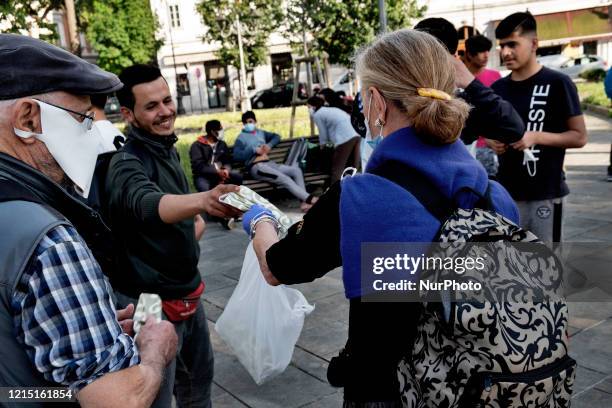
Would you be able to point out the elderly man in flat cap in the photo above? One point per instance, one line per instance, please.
(58, 325)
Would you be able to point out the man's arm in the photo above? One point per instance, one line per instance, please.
(200, 226)
(272, 139)
(138, 385)
(491, 116)
(174, 208)
(575, 136)
(79, 342)
(132, 192)
(241, 151)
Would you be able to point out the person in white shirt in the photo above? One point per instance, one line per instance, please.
(335, 128)
(111, 137)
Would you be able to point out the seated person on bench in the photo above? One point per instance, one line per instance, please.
(211, 159)
(252, 148)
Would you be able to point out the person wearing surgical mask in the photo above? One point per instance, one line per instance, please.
(59, 326)
(413, 125)
(252, 147)
(211, 161)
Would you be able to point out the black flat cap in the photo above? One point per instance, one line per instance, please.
(29, 67)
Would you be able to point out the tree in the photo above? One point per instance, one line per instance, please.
(340, 27)
(122, 32)
(258, 19)
(17, 16)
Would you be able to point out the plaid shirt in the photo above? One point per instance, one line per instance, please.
(64, 314)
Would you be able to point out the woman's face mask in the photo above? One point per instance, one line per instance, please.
(370, 142)
(74, 145)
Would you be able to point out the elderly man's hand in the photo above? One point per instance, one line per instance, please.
(124, 317)
(214, 207)
(157, 342)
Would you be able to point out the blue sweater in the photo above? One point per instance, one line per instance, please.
(248, 142)
(374, 209)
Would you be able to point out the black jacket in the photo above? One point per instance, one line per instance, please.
(491, 116)
(203, 158)
(35, 186)
(153, 257)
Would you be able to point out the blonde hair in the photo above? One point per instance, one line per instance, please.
(399, 63)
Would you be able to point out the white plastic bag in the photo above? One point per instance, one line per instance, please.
(262, 323)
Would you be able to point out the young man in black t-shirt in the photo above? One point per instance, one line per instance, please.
(547, 101)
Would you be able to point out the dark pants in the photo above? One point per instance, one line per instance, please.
(345, 155)
(189, 376)
(206, 184)
(380, 334)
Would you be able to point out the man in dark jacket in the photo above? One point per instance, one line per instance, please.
(491, 116)
(211, 161)
(157, 225)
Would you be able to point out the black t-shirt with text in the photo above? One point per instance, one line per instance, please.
(545, 102)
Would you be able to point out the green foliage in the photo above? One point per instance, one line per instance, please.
(594, 75)
(593, 93)
(340, 27)
(121, 31)
(258, 19)
(24, 15)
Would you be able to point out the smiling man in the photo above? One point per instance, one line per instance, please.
(156, 225)
(547, 101)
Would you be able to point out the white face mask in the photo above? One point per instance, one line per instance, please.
(221, 134)
(108, 132)
(367, 148)
(72, 145)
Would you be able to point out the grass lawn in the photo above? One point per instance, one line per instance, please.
(593, 93)
(188, 128)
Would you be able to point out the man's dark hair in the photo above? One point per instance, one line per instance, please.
(522, 23)
(212, 125)
(132, 76)
(99, 100)
(315, 101)
(476, 44)
(442, 29)
(248, 115)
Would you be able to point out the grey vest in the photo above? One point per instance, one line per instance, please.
(23, 224)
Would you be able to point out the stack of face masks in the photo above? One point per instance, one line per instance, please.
(246, 198)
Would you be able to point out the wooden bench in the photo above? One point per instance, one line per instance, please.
(278, 154)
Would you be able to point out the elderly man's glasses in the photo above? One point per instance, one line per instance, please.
(88, 118)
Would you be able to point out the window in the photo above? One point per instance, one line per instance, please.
(182, 81)
(175, 18)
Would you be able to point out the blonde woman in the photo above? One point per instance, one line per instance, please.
(408, 81)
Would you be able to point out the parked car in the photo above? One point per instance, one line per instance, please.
(573, 67)
(342, 84)
(278, 95)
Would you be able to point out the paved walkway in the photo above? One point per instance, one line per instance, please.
(304, 384)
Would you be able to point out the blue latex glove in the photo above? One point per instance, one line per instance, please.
(255, 212)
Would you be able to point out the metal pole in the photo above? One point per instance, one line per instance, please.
(245, 103)
(179, 98)
(382, 14)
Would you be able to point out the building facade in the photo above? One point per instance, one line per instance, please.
(571, 28)
(202, 81)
